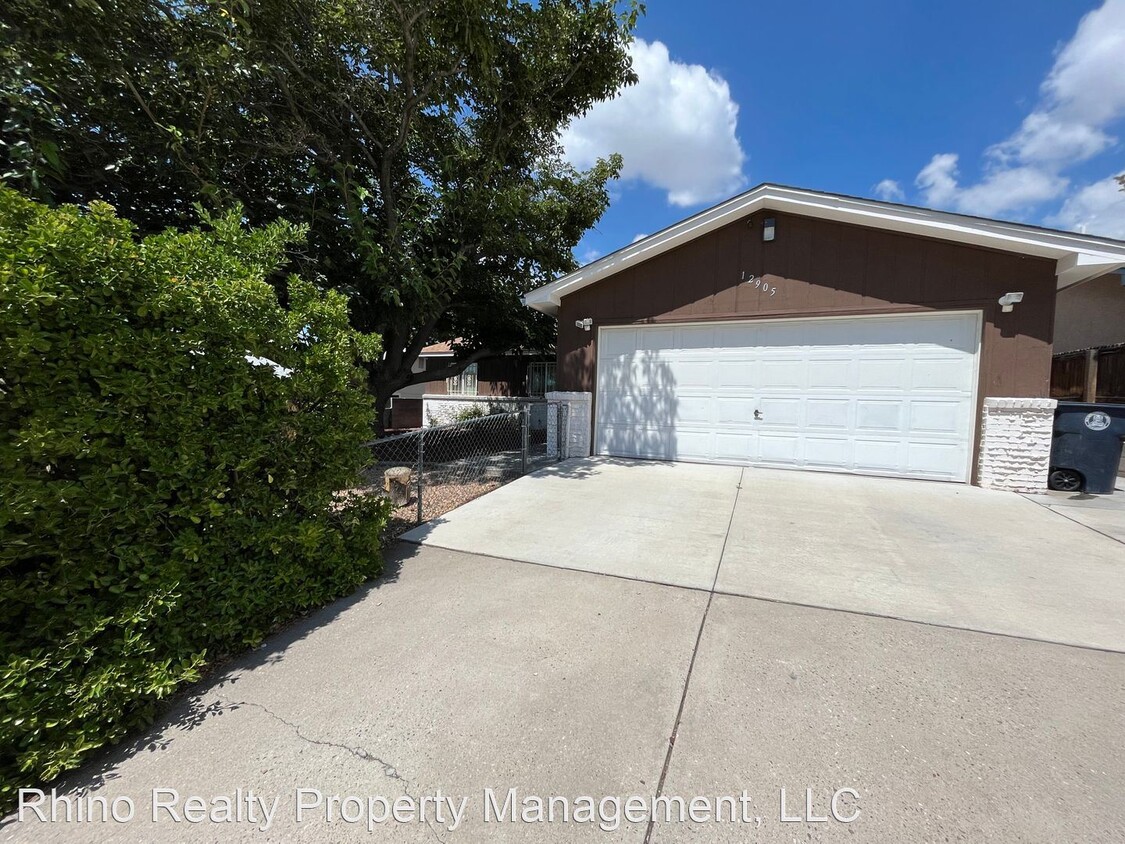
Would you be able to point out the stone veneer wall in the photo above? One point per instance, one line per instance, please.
(443, 409)
(1015, 444)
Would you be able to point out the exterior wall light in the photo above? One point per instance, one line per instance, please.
(768, 229)
(1009, 301)
(584, 324)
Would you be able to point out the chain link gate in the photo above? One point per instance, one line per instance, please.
(429, 472)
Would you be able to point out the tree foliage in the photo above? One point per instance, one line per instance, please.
(174, 446)
(417, 141)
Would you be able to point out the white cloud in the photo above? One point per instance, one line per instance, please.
(1001, 190)
(889, 190)
(675, 129)
(639, 237)
(1098, 208)
(938, 179)
(1046, 140)
(1080, 100)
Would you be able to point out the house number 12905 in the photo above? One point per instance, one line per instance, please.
(760, 283)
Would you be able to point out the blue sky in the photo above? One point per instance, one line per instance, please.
(1004, 108)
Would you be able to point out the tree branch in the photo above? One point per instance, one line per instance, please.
(455, 368)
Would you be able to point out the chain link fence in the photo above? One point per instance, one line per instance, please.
(428, 472)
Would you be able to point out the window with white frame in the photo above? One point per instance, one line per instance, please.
(540, 378)
(464, 384)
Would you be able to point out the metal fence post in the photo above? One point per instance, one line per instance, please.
(564, 430)
(525, 422)
(421, 457)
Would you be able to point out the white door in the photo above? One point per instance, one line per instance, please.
(884, 395)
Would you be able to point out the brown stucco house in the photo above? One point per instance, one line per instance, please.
(516, 373)
(796, 328)
(1091, 314)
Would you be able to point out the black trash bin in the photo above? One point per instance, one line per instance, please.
(1086, 450)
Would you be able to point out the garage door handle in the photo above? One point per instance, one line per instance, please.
(757, 414)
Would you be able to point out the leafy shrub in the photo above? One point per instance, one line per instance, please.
(169, 491)
(471, 410)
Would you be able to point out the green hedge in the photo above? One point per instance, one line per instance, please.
(163, 497)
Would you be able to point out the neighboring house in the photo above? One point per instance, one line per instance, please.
(796, 328)
(1091, 314)
(503, 375)
(1089, 363)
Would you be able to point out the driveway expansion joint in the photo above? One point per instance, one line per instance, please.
(1071, 518)
(691, 662)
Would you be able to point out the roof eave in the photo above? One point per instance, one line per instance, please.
(1079, 257)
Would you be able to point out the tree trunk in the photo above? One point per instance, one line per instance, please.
(382, 387)
(381, 402)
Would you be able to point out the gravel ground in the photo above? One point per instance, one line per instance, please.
(437, 500)
(446, 486)
(443, 490)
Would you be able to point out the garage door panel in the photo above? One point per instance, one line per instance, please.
(834, 452)
(636, 441)
(945, 374)
(622, 341)
(695, 410)
(735, 410)
(738, 336)
(735, 446)
(733, 374)
(638, 408)
(655, 339)
(687, 374)
(879, 455)
(692, 444)
(885, 395)
(935, 459)
(782, 374)
(697, 337)
(779, 448)
(829, 374)
(882, 374)
(777, 411)
(937, 417)
(876, 415)
(831, 414)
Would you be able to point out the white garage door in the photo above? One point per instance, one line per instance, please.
(875, 395)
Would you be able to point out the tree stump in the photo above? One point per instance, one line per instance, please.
(396, 481)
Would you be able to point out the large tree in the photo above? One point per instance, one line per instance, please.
(418, 140)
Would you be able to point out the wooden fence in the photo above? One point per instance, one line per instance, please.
(1090, 375)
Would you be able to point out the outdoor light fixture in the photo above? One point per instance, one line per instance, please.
(767, 229)
(584, 324)
(1009, 301)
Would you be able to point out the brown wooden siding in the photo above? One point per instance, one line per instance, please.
(825, 268)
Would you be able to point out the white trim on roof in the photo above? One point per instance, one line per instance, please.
(1078, 257)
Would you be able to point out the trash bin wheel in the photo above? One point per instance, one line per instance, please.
(1065, 480)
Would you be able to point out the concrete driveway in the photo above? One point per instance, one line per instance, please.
(945, 554)
(459, 674)
(459, 677)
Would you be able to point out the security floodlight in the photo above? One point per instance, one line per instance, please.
(584, 324)
(1009, 300)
